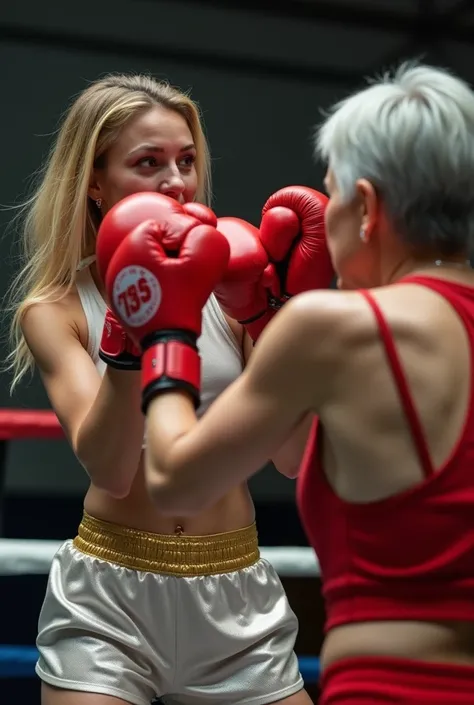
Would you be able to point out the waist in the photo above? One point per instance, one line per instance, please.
(430, 602)
(443, 642)
(387, 680)
(173, 554)
(234, 511)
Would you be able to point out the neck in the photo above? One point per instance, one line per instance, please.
(413, 265)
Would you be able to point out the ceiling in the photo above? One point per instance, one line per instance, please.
(450, 19)
(410, 7)
(339, 41)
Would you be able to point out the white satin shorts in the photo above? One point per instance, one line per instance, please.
(192, 620)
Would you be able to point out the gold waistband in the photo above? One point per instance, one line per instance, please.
(171, 554)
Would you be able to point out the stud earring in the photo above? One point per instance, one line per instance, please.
(98, 203)
(362, 234)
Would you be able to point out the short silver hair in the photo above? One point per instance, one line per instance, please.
(411, 134)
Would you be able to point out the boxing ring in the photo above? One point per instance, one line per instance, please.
(24, 557)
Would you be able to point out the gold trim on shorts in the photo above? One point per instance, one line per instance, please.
(171, 554)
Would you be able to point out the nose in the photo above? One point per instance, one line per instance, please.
(172, 184)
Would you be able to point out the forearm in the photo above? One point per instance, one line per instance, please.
(165, 478)
(188, 469)
(109, 441)
(192, 464)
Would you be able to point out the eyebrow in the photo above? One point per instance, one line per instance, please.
(154, 148)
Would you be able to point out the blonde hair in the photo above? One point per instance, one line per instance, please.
(60, 221)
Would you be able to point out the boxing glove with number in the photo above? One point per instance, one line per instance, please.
(293, 234)
(159, 298)
(116, 349)
(243, 292)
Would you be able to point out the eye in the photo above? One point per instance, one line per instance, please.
(188, 160)
(147, 162)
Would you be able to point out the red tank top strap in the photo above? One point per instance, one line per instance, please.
(402, 385)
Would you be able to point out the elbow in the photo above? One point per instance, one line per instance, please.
(113, 480)
(292, 473)
(107, 474)
(110, 469)
(289, 470)
(114, 490)
(113, 486)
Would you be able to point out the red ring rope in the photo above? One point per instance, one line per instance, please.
(29, 423)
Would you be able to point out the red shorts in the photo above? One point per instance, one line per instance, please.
(394, 681)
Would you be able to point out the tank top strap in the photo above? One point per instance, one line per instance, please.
(401, 384)
(94, 308)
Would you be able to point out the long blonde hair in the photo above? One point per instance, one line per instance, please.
(60, 221)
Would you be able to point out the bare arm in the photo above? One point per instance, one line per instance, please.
(287, 459)
(101, 417)
(192, 464)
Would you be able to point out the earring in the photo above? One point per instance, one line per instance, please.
(362, 235)
(98, 203)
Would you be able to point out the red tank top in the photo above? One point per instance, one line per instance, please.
(410, 556)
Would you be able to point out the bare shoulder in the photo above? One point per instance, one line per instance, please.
(416, 313)
(48, 325)
(324, 322)
(312, 334)
(309, 339)
(52, 333)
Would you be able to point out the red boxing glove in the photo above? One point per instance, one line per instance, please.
(202, 213)
(132, 210)
(243, 290)
(116, 348)
(293, 234)
(159, 299)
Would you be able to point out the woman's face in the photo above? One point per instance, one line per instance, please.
(154, 152)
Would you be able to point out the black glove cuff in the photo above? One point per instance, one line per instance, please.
(124, 361)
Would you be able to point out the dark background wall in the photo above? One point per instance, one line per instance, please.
(261, 71)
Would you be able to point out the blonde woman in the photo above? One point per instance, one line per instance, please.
(139, 605)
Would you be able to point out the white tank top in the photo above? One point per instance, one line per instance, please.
(221, 355)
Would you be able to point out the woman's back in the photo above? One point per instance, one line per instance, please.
(369, 451)
(387, 490)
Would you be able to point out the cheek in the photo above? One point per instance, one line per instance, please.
(122, 182)
(341, 230)
(190, 186)
(332, 221)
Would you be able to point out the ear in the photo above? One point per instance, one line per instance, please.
(94, 191)
(369, 205)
